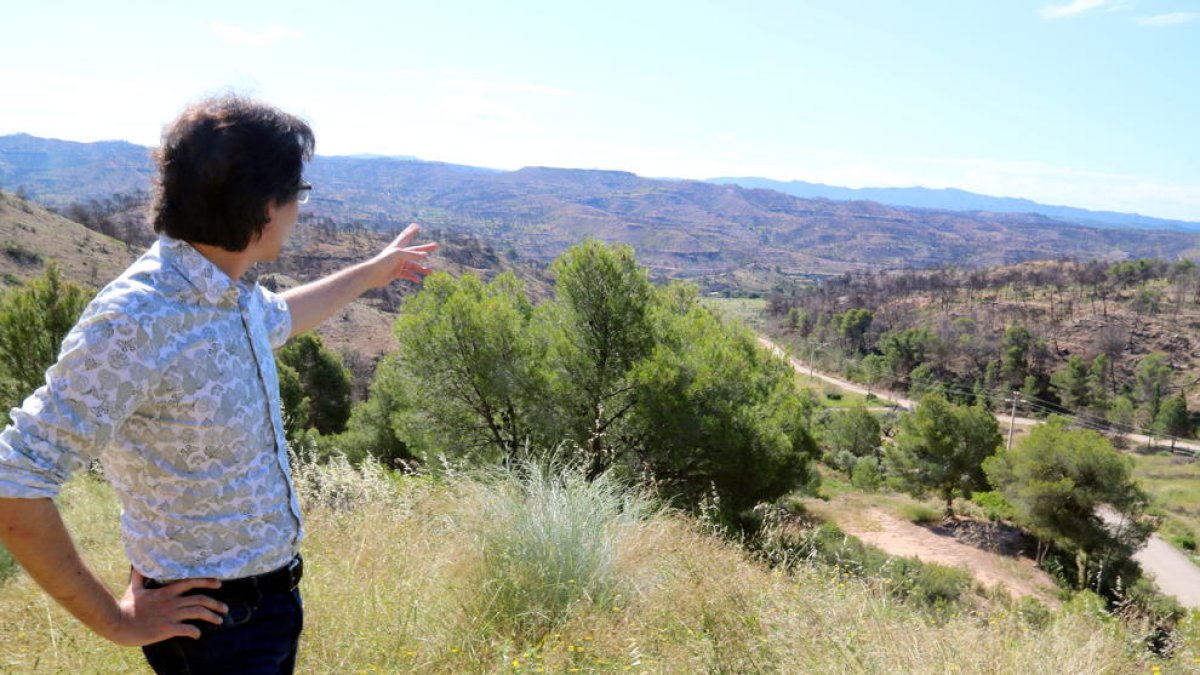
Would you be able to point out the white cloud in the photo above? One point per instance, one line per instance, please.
(243, 37)
(1172, 19)
(1051, 12)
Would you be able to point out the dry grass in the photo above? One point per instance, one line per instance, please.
(393, 585)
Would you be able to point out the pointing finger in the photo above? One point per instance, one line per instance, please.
(405, 236)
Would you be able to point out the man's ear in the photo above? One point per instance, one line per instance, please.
(272, 207)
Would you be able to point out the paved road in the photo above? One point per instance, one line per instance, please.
(1172, 571)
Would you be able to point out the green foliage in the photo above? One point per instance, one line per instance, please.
(1033, 612)
(295, 400)
(940, 448)
(8, 566)
(323, 381)
(920, 513)
(994, 505)
(1099, 375)
(1073, 384)
(1057, 479)
(905, 350)
(935, 588)
(467, 377)
(1015, 347)
(1152, 382)
(715, 411)
(552, 544)
(34, 319)
(850, 434)
(866, 475)
(604, 328)
(852, 326)
(924, 381)
(1186, 541)
(1122, 414)
(641, 380)
(376, 427)
(1173, 418)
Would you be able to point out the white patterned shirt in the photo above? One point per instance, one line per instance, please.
(169, 380)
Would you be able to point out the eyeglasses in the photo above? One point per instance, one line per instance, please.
(303, 191)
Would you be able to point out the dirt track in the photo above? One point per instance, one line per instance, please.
(901, 538)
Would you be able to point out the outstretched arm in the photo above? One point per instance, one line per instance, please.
(33, 532)
(314, 302)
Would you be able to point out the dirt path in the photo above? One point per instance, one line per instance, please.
(1019, 576)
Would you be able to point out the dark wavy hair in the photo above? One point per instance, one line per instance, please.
(221, 162)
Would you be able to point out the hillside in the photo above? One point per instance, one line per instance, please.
(1124, 312)
(950, 199)
(30, 236)
(679, 228)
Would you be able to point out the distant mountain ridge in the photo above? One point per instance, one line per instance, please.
(679, 228)
(953, 199)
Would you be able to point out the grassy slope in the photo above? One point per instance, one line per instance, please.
(394, 585)
(30, 236)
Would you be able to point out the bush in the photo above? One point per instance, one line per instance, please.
(552, 544)
(935, 588)
(866, 475)
(1186, 541)
(1033, 612)
(920, 513)
(994, 505)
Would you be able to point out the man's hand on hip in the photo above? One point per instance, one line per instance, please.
(152, 615)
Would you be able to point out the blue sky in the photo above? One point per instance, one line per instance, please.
(1089, 103)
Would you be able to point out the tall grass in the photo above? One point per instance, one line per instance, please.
(8, 566)
(552, 543)
(469, 574)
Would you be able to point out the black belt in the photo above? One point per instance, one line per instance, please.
(250, 589)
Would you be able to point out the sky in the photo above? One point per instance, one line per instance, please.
(1086, 103)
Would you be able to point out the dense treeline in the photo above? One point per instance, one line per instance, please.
(1094, 339)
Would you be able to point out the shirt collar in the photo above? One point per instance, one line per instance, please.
(200, 272)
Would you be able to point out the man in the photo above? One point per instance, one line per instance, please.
(169, 380)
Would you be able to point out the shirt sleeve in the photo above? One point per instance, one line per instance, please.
(277, 317)
(104, 371)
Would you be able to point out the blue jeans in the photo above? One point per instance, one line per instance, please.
(253, 640)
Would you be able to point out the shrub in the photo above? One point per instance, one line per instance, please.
(866, 475)
(920, 513)
(994, 505)
(552, 544)
(935, 588)
(1186, 541)
(1033, 612)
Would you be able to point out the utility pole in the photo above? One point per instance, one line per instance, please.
(1012, 419)
(812, 351)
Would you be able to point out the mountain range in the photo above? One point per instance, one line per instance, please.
(952, 199)
(681, 228)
